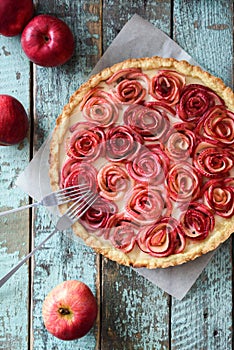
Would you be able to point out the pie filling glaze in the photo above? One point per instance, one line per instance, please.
(154, 138)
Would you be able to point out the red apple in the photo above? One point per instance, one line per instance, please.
(47, 41)
(14, 15)
(69, 310)
(13, 121)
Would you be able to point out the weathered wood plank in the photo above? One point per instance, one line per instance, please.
(204, 30)
(62, 258)
(135, 313)
(117, 13)
(14, 229)
(203, 320)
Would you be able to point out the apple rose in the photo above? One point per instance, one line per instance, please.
(86, 142)
(217, 126)
(195, 101)
(122, 232)
(74, 173)
(149, 165)
(198, 221)
(163, 238)
(183, 182)
(145, 204)
(122, 143)
(149, 120)
(213, 162)
(113, 181)
(166, 86)
(97, 216)
(180, 142)
(98, 107)
(131, 86)
(219, 196)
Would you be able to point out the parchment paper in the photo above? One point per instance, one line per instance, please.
(138, 38)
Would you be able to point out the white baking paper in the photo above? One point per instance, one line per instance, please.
(138, 38)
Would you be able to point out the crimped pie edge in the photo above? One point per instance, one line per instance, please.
(220, 233)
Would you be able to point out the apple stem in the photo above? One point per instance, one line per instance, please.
(64, 311)
(46, 38)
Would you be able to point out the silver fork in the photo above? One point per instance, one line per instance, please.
(54, 198)
(74, 212)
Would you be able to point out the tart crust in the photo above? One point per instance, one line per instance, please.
(223, 228)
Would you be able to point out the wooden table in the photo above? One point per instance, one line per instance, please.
(133, 313)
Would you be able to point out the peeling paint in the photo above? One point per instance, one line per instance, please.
(137, 312)
(14, 229)
(93, 8)
(13, 304)
(14, 233)
(94, 29)
(218, 26)
(5, 52)
(21, 145)
(60, 259)
(18, 75)
(196, 24)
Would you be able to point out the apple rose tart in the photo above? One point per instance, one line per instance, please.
(154, 139)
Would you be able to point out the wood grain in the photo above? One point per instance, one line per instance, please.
(135, 313)
(204, 29)
(62, 258)
(14, 229)
(203, 320)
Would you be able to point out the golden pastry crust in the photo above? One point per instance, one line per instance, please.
(223, 228)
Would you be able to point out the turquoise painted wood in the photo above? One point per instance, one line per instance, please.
(125, 327)
(205, 31)
(14, 230)
(62, 259)
(133, 313)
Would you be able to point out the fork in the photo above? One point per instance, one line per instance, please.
(54, 198)
(74, 212)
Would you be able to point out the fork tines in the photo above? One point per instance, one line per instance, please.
(81, 204)
(66, 194)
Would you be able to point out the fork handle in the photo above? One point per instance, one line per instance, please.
(19, 209)
(12, 271)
